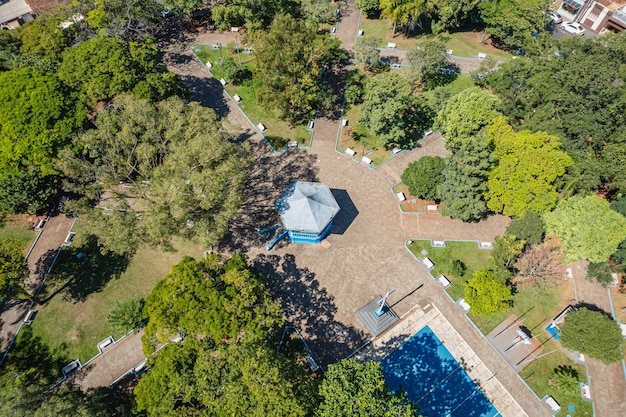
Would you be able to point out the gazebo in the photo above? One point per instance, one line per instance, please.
(307, 210)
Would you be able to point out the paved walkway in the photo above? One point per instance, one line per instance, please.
(39, 261)
(606, 382)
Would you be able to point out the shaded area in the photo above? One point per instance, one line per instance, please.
(347, 212)
(81, 271)
(267, 180)
(309, 307)
(432, 378)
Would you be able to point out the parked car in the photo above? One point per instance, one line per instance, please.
(573, 28)
(554, 16)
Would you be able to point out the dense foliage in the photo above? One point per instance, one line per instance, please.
(13, 268)
(486, 295)
(592, 333)
(424, 176)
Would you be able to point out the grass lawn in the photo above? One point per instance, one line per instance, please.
(80, 293)
(468, 252)
(465, 44)
(460, 83)
(17, 227)
(366, 146)
(537, 307)
(278, 132)
(537, 375)
(412, 204)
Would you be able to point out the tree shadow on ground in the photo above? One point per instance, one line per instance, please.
(347, 212)
(309, 307)
(594, 307)
(207, 91)
(30, 351)
(81, 271)
(267, 181)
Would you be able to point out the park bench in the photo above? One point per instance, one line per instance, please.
(485, 245)
(464, 305)
(449, 52)
(234, 29)
(439, 244)
(216, 46)
(70, 367)
(292, 144)
(311, 125)
(261, 127)
(28, 319)
(333, 29)
(445, 282)
(223, 82)
(105, 344)
(312, 364)
(585, 392)
(209, 65)
(361, 32)
(40, 224)
(428, 263)
(344, 122)
(391, 45)
(431, 207)
(366, 161)
(396, 66)
(554, 406)
(401, 196)
(237, 98)
(396, 151)
(350, 152)
(482, 56)
(428, 132)
(68, 239)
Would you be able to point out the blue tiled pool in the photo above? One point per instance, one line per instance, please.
(434, 380)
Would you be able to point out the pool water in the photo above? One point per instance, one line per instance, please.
(433, 379)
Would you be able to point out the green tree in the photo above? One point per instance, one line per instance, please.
(185, 6)
(465, 179)
(290, 76)
(424, 176)
(592, 333)
(528, 165)
(127, 315)
(9, 50)
(465, 115)
(13, 268)
(121, 19)
(43, 37)
(351, 388)
(486, 295)
(529, 228)
(367, 51)
(369, 7)
(453, 13)
(182, 173)
(513, 22)
(224, 302)
(26, 191)
(587, 227)
(428, 60)
(505, 252)
(37, 116)
(600, 272)
(392, 112)
(193, 378)
(565, 379)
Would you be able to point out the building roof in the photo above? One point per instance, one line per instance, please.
(13, 9)
(307, 207)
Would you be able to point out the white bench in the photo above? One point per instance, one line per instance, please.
(554, 406)
(361, 32)
(449, 52)
(350, 152)
(209, 65)
(214, 46)
(396, 66)
(68, 239)
(70, 367)
(428, 263)
(223, 81)
(391, 45)
(486, 245)
(445, 282)
(401, 196)
(261, 127)
(39, 225)
(431, 207)
(464, 305)
(234, 29)
(482, 56)
(105, 344)
(344, 122)
(439, 244)
(366, 161)
(585, 392)
(428, 132)
(311, 125)
(312, 364)
(28, 319)
(396, 151)
(237, 98)
(292, 144)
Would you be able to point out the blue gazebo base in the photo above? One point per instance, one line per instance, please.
(309, 238)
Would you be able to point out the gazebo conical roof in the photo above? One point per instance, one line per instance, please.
(307, 207)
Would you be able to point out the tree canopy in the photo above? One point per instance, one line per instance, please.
(225, 302)
(424, 176)
(358, 389)
(181, 173)
(291, 79)
(587, 227)
(428, 60)
(529, 228)
(592, 333)
(528, 165)
(392, 112)
(37, 116)
(13, 267)
(486, 295)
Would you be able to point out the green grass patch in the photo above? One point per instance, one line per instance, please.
(538, 373)
(366, 145)
(16, 229)
(465, 44)
(472, 257)
(536, 306)
(278, 132)
(460, 83)
(81, 292)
